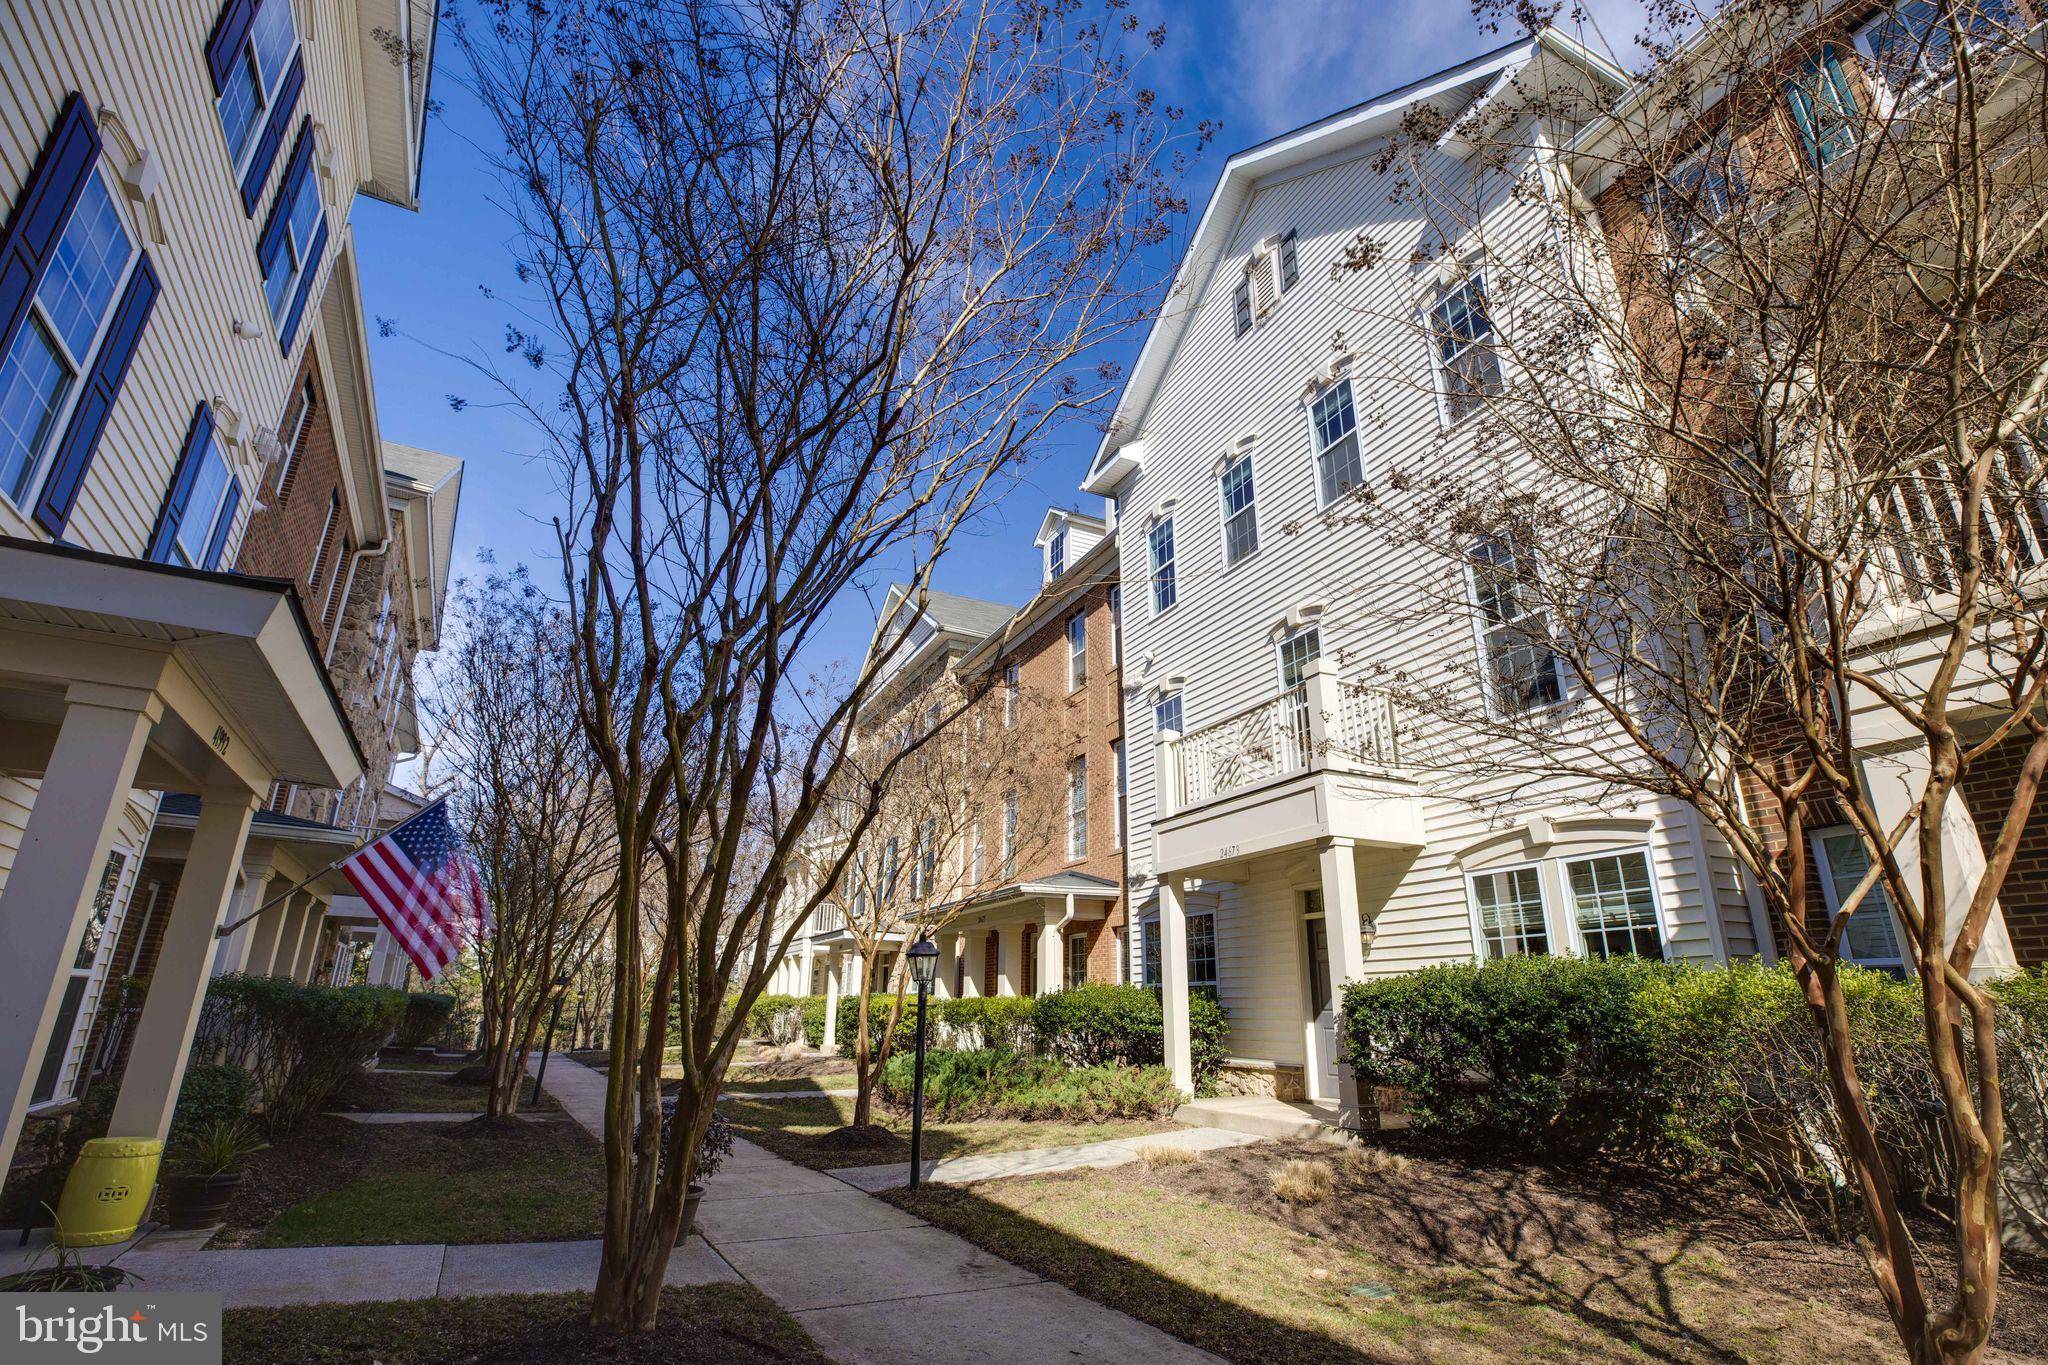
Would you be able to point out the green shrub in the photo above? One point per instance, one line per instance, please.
(213, 1094)
(781, 1018)
(301, 1043)
(878, 1022)
(988, 1021)
(426, 1014)
(1124, 1026)
(814, 1020)
(1207, 1026)
(998, 1083)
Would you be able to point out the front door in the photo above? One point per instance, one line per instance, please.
(1322, 1004)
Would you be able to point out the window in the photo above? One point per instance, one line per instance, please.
(1240, 510)
(1164, 589)
(927, 858)
(1509, 908)
(1148, 953)
(1522, 672)
(1295, 653)
(1116, 754)
(1698, 192)
(293, 431)
(1290, 260)
(66, 320)
(1823, 108)
(1241, 305)
(1335, 424)
(57, 1076)
(1615, 906)
(1166, 713)
(293, 253)
(1467, 370)
(1077, 807)
(1077, 959)
(975, 866)
(1056, 554)
(1077, 650)
(1202, 954)
(1009, 834)
(889, 859)
(1872, 937)
(1907, 45)
(1116, 624)
(199, 513)
(1010, 695)
(320, 545)
(254, 82)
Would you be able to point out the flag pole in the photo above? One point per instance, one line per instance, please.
(337, 861)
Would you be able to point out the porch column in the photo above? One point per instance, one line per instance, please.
(264, 936)
(809, 955)
(1345, 930)
(177, 988)
(949, 954)
(1051, 960)
(295, 966)
(1173, 981)
(232, 953)
(48, 897)
(972, 954)
(1896, 782)
(1009, 960)
(830, 1042)
(382, 948)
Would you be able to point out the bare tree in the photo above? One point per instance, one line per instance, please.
(514, 761)
(809, 281)
(1750, 363)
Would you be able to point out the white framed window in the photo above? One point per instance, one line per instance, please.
(1116, 754)
(1872, 938)
(1077, 807)
(1202, 974)
(57, 1078)
(302, 222)
(1522, 671)
(1462, 348)
(199, 533)
(1701, 190)
(1011, 694)
(1166, 713)
(1116, 624)
(252, 83)
(927, 858)
(1148, 952)
(1241, 306)
(1908, 48)
(1614, 905)
(975, 865)
(1056, 554)
(292, 432)
(1077, 958)
(1333, 422)
(1290, 260)
(1508, 913)
(1009, 834)
(1295, 652)
(1240, 510)
(1077, 650)
(890, 861)
(1823, 106)
(1165, 590)
(53, 349)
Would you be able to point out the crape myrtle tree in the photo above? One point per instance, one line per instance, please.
(934, 762)
(511, 756)
(805, 283)
(1747, 508)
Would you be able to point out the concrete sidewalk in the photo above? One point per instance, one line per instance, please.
(872, 1283)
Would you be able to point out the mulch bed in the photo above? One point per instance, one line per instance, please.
(1444, 1210)
(722, 1324)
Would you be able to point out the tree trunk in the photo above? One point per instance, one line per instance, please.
(863, 1074)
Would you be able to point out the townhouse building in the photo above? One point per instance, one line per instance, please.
(1683, 188)
(1291, 829)
(1025, 876)
(191, 479)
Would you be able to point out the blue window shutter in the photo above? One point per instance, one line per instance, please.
(281, 110)
(219, 540)
(41, 211)
(300, 166)
(230, 27)
(1802, 114)
(311, 268)
(182, 476)
(96, 399)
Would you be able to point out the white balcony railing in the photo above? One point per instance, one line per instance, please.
(1321, 723)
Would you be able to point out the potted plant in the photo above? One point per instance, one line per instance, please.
(66, 1273)
(206, 1172)
(711, 1154)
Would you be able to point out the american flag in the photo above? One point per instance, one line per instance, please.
(424, 886)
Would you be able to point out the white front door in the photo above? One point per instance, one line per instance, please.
(1322, 1001)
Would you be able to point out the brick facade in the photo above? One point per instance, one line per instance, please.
(1988, 787)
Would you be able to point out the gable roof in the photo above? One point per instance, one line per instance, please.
(965, 615)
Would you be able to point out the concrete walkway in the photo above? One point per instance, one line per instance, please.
(965, 1170)
(872, 1283)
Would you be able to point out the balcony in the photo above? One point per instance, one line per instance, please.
(1317, 761)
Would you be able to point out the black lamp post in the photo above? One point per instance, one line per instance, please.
(924, 966)
(561, 993)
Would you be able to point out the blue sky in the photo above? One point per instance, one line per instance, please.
(1260, 66)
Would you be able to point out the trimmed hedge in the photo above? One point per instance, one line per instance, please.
(426, 1014)
(1125, 1026)
(783, 1018)
(998, 1083)
(878, 1021)
(989, 1021)
(216, 1093)
(301, 1043)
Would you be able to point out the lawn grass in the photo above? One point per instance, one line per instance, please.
(395, 1093)
(757, 1084)
(712, 1324)
(1206, 1253)
(337, 1183)
(799, 1130)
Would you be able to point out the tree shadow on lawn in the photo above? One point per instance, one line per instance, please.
(1439, 1261)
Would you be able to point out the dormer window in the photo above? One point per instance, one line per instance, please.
(1056, 554)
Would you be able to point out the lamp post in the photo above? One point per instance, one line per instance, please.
(561, 992)
(924, 966)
